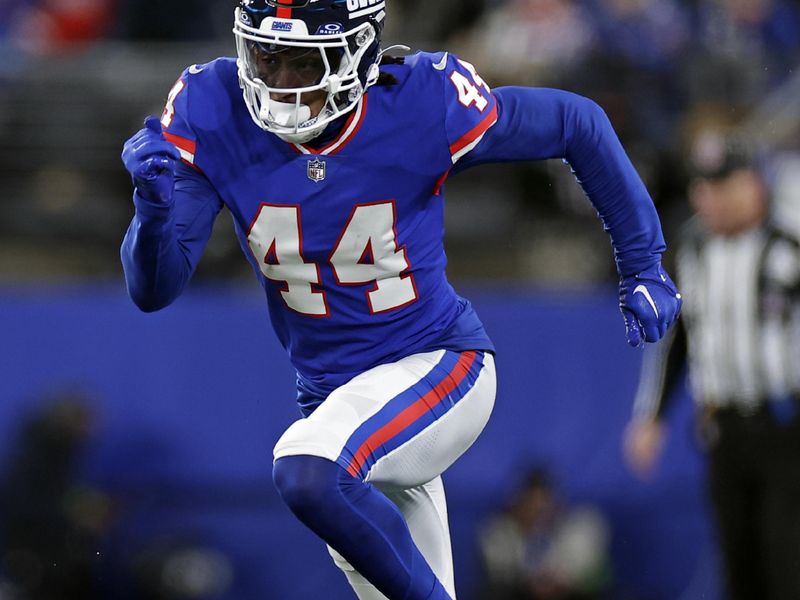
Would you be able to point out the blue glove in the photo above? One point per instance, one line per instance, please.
(150, 159)
(650, 303)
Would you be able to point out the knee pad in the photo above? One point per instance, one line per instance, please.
(305, 483)
(361, 523)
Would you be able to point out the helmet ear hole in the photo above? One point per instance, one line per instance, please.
(365, 37)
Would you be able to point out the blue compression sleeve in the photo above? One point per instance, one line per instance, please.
(164, 243)
(539, 123)
(359, 523)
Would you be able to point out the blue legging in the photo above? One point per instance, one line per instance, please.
(360, 523)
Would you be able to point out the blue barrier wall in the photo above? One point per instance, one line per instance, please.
(191, 400)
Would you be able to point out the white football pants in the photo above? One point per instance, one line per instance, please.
(399, 426)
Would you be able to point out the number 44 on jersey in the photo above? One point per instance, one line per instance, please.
(366, 252)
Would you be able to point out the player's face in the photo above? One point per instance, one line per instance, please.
(288, 67)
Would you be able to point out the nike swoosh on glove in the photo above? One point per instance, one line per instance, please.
(650, 303)
(150, 159)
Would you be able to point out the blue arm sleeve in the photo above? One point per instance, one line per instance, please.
(538, 123)
(163, 244)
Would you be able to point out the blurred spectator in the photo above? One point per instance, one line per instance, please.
(50, 525)
(539, 549)
(432, 26)
(174, 20)
(633, 67)
(742, 49)
(647, 33)
(53, 525)
(786, 200)
(177, 567)
(739, 270)
(9, 11)
(533, 42)
(646, 62)
(55, 26)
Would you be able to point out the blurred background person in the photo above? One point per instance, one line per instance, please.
(51, 524)
(181, 566)
(523, 40)
(740, 49)
(739, 270)
(634, 64)
(47, 27)
(540, 548)
(60, 523)
(199, 22)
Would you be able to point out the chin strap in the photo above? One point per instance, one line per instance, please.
(402, 47)
(375, 70)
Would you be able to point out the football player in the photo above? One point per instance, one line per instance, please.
(332, 158)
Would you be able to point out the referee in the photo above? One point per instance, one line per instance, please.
(740, 341)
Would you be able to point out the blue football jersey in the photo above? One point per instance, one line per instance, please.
(346, 239)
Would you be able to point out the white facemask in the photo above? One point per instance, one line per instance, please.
(292, 121)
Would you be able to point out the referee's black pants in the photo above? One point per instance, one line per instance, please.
(754, 475)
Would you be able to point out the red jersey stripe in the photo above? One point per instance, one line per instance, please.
(181, 142)
(477, 132)
(353, 133)
(437, 189)
(451, 381)
(342, 142)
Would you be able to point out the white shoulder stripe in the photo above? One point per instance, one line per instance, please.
(467, 149)
(186, 155)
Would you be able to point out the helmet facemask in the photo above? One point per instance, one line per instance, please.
(287, 75)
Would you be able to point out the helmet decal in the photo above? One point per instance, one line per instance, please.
(330, 29)
(359, 8)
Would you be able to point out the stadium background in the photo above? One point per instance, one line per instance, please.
(170, 418)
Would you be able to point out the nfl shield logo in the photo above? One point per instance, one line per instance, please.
(316, 170)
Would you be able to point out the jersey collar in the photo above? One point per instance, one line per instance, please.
(347, 133)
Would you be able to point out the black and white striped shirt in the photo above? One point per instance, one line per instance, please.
(740, 326)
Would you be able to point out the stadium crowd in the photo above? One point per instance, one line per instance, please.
(660, 68)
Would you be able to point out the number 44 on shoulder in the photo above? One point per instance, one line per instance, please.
(469, 92)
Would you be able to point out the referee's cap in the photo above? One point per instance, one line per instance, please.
(715, 154)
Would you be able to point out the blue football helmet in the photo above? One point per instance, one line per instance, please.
(295, 55)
